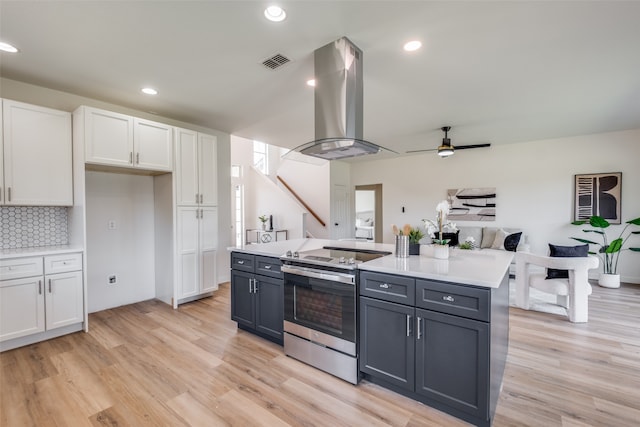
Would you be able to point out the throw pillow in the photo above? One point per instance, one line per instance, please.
(498, 241)
(488, 236)
(512, 241)
(565, 252)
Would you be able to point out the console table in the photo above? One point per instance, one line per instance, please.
(265, 236)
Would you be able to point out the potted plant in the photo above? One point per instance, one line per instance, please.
(264, 220)
(609, 251)
(415, 235)
(441, 246)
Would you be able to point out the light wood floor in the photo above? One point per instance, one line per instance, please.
(148, 365)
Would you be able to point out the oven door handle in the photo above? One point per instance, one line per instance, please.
(320, 274)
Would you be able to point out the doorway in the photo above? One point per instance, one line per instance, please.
(368, 211)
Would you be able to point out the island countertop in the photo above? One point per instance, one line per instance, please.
(483, 268)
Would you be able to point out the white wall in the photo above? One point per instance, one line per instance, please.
(534, 183)
(264, 197)
(127, 251)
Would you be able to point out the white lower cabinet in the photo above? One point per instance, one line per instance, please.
(41, 302)
(197, 237)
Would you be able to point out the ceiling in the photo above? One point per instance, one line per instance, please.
(498, 72)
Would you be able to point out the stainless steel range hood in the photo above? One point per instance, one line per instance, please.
(338, 103)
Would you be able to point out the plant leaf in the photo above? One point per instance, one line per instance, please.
(598, 221)
(635, 249)
(585, 241)
(594, 231)
(579, 222)
(614, 246)
(634, 221)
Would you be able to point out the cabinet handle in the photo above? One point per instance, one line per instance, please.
(201, 199)
(241, 262)
(131, 157)
(250, 286)
(196, 197)
(408, 325)
(137, 158)
(39, 287)
(255, 286)
(449, 298)
(8, 194)
(49, 285)
(384, 286)
(419, 329)
(267, 267)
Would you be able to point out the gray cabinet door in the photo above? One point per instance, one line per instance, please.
(452, 361)
(269, 297)
(242, 300)
(387, 342)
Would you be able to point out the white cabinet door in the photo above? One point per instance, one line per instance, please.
(188, 251)
(21, 307)
(208, 248)
(208, 169)
(153, 143)
(108, 137)
(37, 155)
(64, 299)
(187, 192)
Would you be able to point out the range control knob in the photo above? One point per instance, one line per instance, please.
(352, 260)
(296, 254)
(289, 254)
(341, 260)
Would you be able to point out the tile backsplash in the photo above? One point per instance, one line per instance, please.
(33, 226)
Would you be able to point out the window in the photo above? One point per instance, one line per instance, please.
(260, 156)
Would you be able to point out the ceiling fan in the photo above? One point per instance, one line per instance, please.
(446, 149)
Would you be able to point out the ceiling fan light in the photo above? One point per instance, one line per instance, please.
(445, 151)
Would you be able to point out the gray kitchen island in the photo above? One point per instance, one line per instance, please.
(436, 331)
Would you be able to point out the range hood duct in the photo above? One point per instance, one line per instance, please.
(338, 103)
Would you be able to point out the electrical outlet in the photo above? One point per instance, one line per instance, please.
(111, 225)
(112, 279)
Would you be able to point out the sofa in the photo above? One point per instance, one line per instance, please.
(492, 238)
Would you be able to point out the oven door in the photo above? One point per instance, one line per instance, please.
(320, 306)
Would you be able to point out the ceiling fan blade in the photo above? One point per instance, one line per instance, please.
(421, 151)
(462, 147)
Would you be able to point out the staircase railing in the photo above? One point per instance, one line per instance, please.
(302, 202)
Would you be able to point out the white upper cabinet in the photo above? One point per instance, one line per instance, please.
(116, 139)
(196, 169)
(36, 165)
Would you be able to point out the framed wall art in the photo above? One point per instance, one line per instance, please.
(472, 204)
(598, 194)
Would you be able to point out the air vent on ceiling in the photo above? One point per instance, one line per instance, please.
(277, 60)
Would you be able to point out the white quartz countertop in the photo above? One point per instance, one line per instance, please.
(39, 251)
(484, 268)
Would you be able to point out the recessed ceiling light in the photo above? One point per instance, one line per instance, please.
(6, 47)
(275, 13)
(412, 45)
(149, 91)
(311, 82)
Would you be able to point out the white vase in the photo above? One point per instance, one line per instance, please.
(609, 280)
(441, 251)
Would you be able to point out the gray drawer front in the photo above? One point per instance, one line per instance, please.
(242, 262)
(388, 287)
(268, 266)
(465, 301)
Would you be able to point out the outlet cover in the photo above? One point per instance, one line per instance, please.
(112, 280)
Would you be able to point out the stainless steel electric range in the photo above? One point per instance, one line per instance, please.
(320, 300)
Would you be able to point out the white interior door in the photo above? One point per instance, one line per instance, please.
(340, 223)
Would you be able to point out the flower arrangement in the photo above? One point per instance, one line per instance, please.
(469, 243)
(440, 224)
(608, 252)
(263, 218)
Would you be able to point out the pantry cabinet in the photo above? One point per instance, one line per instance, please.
(35, 156)
(197, 245)
(40, 294)
(196, 168)
(120, 140)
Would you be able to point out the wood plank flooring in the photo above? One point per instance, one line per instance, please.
(149, 365)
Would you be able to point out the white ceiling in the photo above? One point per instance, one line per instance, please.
(498, 72)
